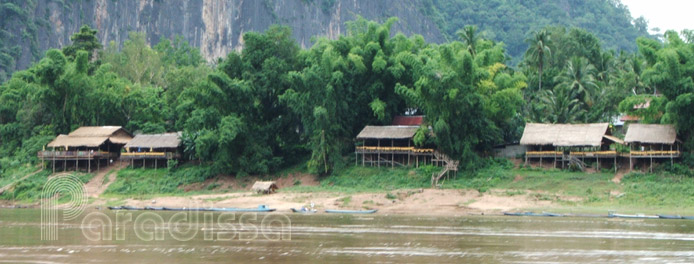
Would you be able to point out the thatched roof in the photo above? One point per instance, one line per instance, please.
(653, 134)
(564, 135)
(166, 140)
(116, 134)
(68, 141)
(387, 132)
(264, 187)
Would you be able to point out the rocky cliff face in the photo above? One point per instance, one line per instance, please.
(217, 26)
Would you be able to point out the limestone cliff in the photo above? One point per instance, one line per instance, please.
(216, 26)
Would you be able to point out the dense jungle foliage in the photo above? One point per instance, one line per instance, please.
(273, 104)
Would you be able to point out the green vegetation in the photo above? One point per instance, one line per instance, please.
(147, 182)
(511, 22)
(272, 106)
(29, 190)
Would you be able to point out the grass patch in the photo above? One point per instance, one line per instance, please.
(144, 183)
(30, 189)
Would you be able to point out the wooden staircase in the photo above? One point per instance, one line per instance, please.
(448, 165)
(575, 161)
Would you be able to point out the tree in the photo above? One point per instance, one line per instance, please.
(469, 36)
(579, 76)
(538, 52)
(85, 40)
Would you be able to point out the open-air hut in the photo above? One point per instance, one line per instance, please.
(93, 144)
(264, 187)
(153, 147)
(652, 142)
(390, 145)
(568, 142)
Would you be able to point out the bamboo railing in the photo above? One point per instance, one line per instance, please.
(655, 153)
(393, 149)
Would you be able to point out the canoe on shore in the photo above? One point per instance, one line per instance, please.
(124, 208)
(351, 211)
(260, 209)
(635, 216)
(669, 216)
(533, 214)
(300, 211)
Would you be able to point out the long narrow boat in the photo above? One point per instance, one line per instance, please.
(260, 209)
(688, 217)
(300, 211)
(154, 208)
(669, 216)
(533, 214)
(351, 211)
(124, 208)
(182, 209)
(636, 216)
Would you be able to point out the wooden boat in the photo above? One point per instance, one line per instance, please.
(669, 216)
(300, 211)
(123, 208)
(636, 216)
(688, 217)
(260, 209)
(182, 209)
(533, 214)
(351, 211)
(154, 208)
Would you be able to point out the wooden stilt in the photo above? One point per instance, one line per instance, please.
(392, 154)
(379, 153)
(155, 164)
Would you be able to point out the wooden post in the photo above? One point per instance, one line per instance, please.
(362, 156)
(53, 159)
(615, 163)
(89, 162)
(378, 152)
(409, 151)
(672, 162)
(541, 156)
(155, 163)
(77, 162)
(597, 159)
(651, 169)
(392, 154)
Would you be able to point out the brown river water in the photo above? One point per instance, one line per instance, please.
(177, 237)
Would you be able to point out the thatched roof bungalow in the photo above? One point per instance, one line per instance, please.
(567, 142)
(566, 135)
(652, 141)
(264, 187)
(87, 143)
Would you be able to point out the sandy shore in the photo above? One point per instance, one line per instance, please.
(409, 202)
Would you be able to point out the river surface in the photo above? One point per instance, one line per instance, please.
(170, 237)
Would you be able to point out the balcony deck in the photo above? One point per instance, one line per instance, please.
(75, 155)
(394, 150)
(149, 155)
(656, 154)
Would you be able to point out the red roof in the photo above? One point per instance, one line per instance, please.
(408, 120)
(626, 118)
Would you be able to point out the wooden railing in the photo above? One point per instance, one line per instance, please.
(362, 149)
(48, 154)
(610, 153)
(655, 153)
(150, 155)
(543, 153)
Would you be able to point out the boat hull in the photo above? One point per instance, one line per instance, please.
(351, 211)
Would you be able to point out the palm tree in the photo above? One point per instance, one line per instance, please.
(539, 51)
(579, 76)
(561, 106)
(469, 35)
